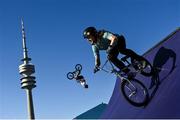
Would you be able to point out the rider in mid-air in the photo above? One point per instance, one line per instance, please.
(112, 43)
(81, 80)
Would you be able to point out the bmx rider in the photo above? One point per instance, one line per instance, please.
(113, 44)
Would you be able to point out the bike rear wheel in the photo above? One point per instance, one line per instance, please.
(144, 66)
(135, 92)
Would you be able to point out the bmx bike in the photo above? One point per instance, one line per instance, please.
(77, 76)
(133, 90)
(74, 74)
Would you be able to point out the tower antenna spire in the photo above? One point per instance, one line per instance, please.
(26, 59)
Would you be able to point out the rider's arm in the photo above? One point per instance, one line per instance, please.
(96, 55)
(97, 60)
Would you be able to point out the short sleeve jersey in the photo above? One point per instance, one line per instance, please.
(102, 43)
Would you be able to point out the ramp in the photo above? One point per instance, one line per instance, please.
(165, 99)
(93, 113)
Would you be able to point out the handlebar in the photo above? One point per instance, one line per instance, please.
(105, 70)
(124, 59)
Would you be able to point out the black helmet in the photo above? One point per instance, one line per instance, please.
(89, 31)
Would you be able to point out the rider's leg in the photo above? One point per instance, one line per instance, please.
(130, 53)
(123, 50)
(112, 56)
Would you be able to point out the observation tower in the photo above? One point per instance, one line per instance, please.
(27, 79)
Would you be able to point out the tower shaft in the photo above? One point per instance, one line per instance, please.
(30, 104)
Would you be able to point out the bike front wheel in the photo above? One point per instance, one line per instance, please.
(135, 92)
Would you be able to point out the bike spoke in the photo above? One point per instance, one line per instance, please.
(137, 95)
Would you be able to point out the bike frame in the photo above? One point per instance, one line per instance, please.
(119, 74)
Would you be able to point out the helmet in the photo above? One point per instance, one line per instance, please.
(89, 31)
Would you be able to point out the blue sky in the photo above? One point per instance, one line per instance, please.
(55, 43)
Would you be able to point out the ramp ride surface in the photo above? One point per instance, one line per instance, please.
(164, 99)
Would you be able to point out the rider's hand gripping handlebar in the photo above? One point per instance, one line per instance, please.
(96, 69)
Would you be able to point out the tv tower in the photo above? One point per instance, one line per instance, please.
(27, 80)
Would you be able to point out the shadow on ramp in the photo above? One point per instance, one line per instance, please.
(161, 58)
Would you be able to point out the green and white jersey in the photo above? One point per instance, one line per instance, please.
(102, 43)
